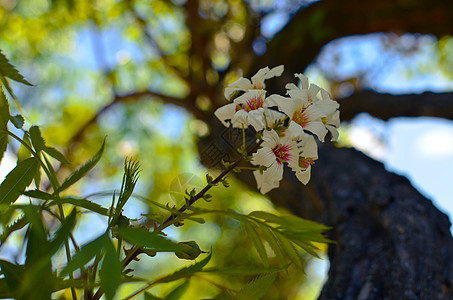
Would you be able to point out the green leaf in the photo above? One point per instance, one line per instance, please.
(63, 232)
(257, 242)
(38, 279)
(149, 296)
(36, 138)
(110, 273)
(39, 195)
(4, 117)
(24, 153)
(242, 271)
(86, 253)
(190, 270)
(8, 70)
(290, 250)
(198, 220)
(18, 224)
(273, 242)
(56, 154)
(178, 292)
(150, 240)
(5, 291)
(83, 170)
(192, 251)
(17, 180)
(257, 288)
(4, 110)
(13, 274)
(18, 121)
(84, 203)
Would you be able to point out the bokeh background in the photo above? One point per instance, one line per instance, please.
(149, 74)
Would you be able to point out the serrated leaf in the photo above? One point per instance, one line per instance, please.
(83, 170)
(63, 232)
(178, 292)
(258, 243)
(150, 240)
(273, 242)
(36, 138)
(110, 273)
(149, 296)
(4, 117)
(198, 220)
(8, 70)
(192, 269)
(18, 121)
(257, 288)
(24, 153)
(52, 173)
(84, 203)
(38, 280)
(56, 154)
(39, 194)
(17, 180)
(242, 271)
(87, 252)
(290, 250)
(18, 224)
(291, 222)
(13, 274)
(308, 247)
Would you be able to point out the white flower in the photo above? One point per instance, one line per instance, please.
(307, 155)
(330, 108)
(257, 83)
(247, 109)
(274, 153)
(306, 115)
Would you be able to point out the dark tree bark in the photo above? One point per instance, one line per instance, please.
(391, 242)
(386, 106)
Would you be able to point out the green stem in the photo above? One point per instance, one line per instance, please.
(135, 250)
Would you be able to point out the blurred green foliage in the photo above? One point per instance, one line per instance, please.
(146, 74)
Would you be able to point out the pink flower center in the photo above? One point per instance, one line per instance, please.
(253, 104)
(281, 152)
(300, 118)
(306, 162)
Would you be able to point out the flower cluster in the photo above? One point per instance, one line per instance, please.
(285, 125)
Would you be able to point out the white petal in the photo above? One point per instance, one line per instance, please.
(265, 73)
(309, 148)
(334, 119)
(263, 185)
(333, 130)
(291, 86)
(274, 172)
(225, 112)
(317, 128)
(300, 100)
(273, 116)
(264, 157)
(240, 118)
(256, 119)
(293, 159)
(304, 175)
(303, 80)
(271, 138)
(285, 105)
(313, 91)
(242, 84)
(294, 131)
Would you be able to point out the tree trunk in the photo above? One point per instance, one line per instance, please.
(391, 242)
